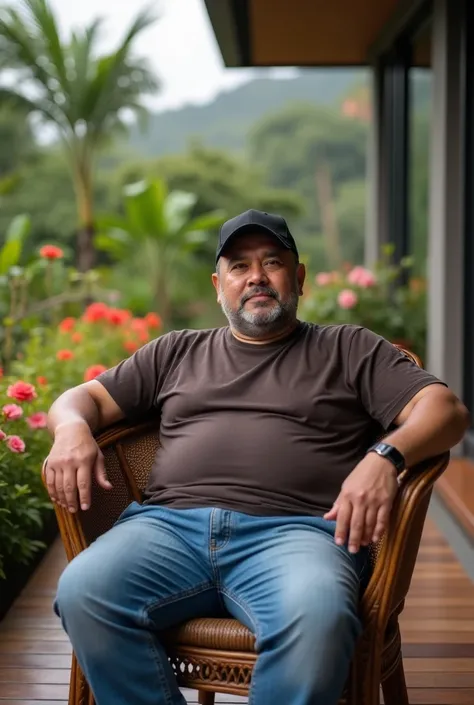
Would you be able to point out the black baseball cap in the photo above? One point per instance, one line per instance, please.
(256, 221)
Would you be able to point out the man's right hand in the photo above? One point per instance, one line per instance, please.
(68, 469)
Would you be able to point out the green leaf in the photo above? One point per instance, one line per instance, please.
(144, 206)
(116, 243)
(11, 251)
(207, 221)
(177, 208)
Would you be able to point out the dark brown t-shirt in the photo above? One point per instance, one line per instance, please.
(263, 429)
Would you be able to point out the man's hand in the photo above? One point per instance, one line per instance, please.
(363, 506)
(68, 469)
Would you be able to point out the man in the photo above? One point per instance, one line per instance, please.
(265, 494)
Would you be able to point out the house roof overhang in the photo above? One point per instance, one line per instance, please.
(264, 33)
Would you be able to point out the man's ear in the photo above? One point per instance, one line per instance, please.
(300, 277)
(215, 283)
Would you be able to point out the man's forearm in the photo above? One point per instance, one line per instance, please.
(74, 406)
(436, 424)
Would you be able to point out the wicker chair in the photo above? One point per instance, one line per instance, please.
(217, 655)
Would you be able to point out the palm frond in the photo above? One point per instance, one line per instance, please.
(119, 78)
(47, 29)
(84, 94)
(81, 55)
(24, 49)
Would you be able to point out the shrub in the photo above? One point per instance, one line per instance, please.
(384, 299)
(53, 359)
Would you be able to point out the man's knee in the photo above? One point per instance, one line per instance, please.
(319, 600)
(73, 590)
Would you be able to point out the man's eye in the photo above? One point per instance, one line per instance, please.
(272, 262)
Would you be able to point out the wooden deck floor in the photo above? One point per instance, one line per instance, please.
(437, 626)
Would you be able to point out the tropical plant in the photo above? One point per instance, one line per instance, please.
(85, 96)
(157, 237)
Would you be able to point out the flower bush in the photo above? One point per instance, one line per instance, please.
(53, 359)
(385, 300)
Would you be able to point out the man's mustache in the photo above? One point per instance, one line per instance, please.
(259, 291)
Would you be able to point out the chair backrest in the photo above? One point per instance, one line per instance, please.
(129, 452)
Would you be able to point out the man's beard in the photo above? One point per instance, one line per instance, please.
(264, 318)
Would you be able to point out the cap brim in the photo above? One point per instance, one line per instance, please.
(251, 227)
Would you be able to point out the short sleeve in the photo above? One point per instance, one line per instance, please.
(134, 384)
(384, 379)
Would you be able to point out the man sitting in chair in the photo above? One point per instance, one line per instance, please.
(268, 489)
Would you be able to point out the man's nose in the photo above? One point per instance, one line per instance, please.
(257, 275)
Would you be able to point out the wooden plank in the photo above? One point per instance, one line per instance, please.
(433, 665)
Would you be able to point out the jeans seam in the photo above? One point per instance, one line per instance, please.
(174, 598)
(258, 632)
(229, 532)
(245, 608)
(165, 686)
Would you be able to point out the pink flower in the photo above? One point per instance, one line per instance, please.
(2, 435)
(37, 420)
(15, 444)
(12, 412)
(347, 299)
(21, 391)
(324, 278)
(360, 276)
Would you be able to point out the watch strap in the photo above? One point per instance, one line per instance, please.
(385, 450)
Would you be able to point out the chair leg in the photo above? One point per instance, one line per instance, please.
(394, 687)
(79, 691)
(205, 697)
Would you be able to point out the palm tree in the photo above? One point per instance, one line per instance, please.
(83, 95)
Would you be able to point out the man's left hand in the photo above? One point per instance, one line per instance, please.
(363, 506)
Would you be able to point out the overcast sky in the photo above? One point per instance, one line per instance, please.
(181, 45)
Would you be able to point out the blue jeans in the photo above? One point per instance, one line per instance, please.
(283, 577)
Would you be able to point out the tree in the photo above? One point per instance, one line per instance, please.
(218, 179)
(154, 242)
(83, 95)
(314, 151)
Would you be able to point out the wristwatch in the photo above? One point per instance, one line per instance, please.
(391, 453)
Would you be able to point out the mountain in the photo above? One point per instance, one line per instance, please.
(226, 121)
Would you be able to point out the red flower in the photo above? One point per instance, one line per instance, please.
(130, 346)
(37, 420)
(95, 312)
(138, 324)
(15, 444)
(76, 337)
(21, 391)
(67, 324)
(143, 336)
(42, 380)
(118, 316)
(12, 412)
(51, 252)
(153, 320)
(93, 371)
(64, 355)
(2, 435)
(1, 372)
